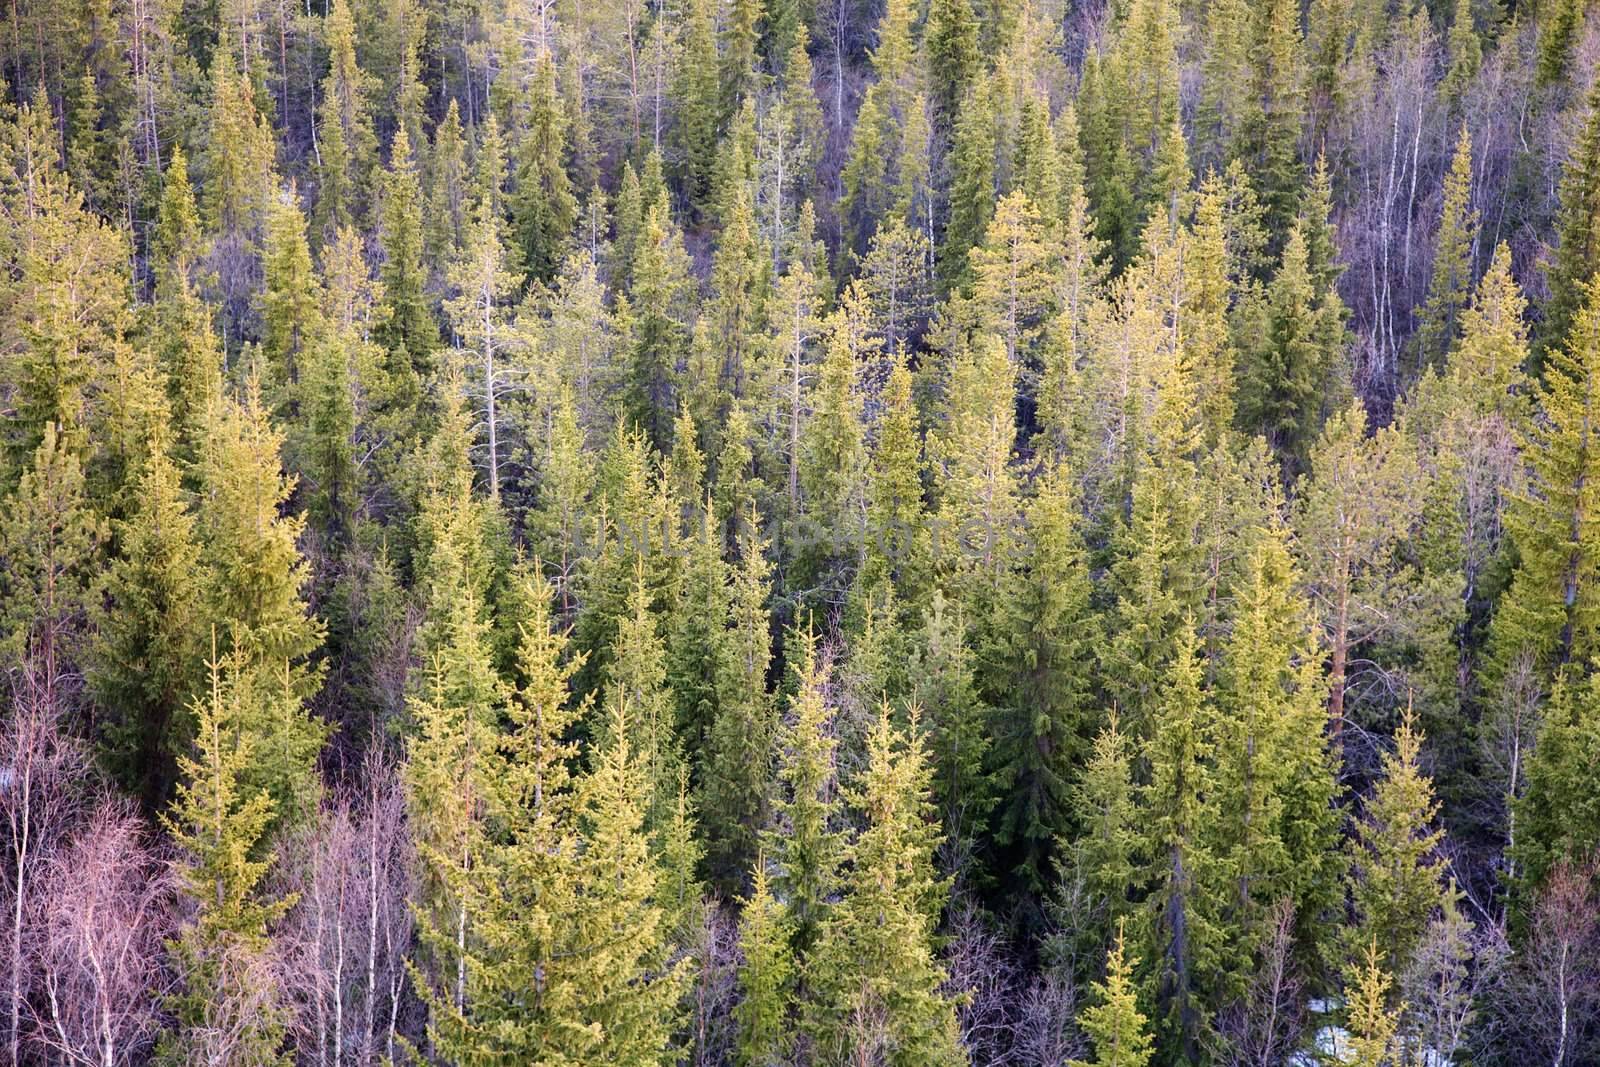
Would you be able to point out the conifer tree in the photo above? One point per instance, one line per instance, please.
(1117, 1028)
(1397, 875)
(448, 180)
(741, 743)
(699, 103)
(347, 147)
(406, 326)
(291, 307)
(1373, 1023)
(765, 977)
(255, 598)
(1577, 254)
(1015, 279)
(1044, 720)
(1548, 615)
(806, 839)
(545, 210)
(1440, 326)
(220, 825)
(950, 43)
(1105, 810)
(944, 688)
(636, 693)
(238, 158)
(972, 186)
(149, 633)
(49, 542)
(897, 542)
(632, 994)
(258, 573)
(875, 981)
(660, 324)
(1556, 817)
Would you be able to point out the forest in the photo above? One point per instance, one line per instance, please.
(800, 533)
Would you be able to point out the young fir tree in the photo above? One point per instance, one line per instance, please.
(765, 977)
(950, 45)
(347, 148)
(1373, 1022)
(959, 724)
(660, 311)
(1550, 614)
(406, 327)
(1043, 726)
(897, 546)
(149, 633)
(806, 841)
(50, 539)
(1115, 1026)
(1175, 810)
(699, 107)
(874, 980)
(1440, 326)
(1397, 874)
(738, 767)
(1556, 817)
(291, 306)
(226, 1003)
(544, 210)
(1577, 254)
(633, 993)
(972, 186)
(453, 709)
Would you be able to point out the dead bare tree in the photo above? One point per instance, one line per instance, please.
(1545, 1009)
(1263, 1028)
(106, 905)
(349, 932)
(39, 771)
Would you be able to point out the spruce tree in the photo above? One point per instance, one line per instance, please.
(544, 210)
(739, 764)
(660, 322)
(406, 327)
(150, 632)
(1548, 615)
(220, 826)
(347, 147)
(49, 541)
(875, 982)
(1397, 874)
(1117, 1028)
(1044, 722)
(765, 978)
(1175, 813)
(1577, 254)
(806, 840)
(1440, 326)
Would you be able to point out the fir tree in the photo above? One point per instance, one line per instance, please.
(220, 825)
(1115, 1025)
(544, 210)
(876, 983)
(1397, 875)
(406, 326)
(347, 147)
(741, 742)
(1440, 326)
(660, 324)
(762, 1013)
(1577, 254)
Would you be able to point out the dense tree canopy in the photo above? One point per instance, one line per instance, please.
(781, 532)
